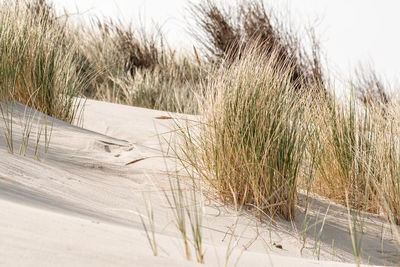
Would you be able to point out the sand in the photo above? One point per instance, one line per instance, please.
(81, 206)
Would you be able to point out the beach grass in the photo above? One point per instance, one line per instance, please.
(38, 60)
(269, 122)
(250, 145)
(38, 68)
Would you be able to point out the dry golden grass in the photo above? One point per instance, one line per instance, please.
(357, 154)
(251, 142)
(138, 68)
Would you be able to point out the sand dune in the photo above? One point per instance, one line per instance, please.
(81, 206)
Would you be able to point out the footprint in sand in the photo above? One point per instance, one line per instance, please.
(120, 150)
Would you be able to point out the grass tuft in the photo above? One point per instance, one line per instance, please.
(251, 144)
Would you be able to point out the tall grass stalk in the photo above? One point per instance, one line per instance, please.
(150, 229)
(7, 109)
(178, 203)
(42, 127)
(195, 215)
(352, 224)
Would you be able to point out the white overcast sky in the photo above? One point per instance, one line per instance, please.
(351, 31)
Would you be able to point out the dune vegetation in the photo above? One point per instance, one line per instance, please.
(271, 126)
(39, 59)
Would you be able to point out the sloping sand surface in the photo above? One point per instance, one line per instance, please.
(82, 205)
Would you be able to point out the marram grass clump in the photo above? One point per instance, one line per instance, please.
(38, 62)
(251, 143)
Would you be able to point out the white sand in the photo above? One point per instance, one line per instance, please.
(81, 206)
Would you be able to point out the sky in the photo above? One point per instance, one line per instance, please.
(351, 32)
